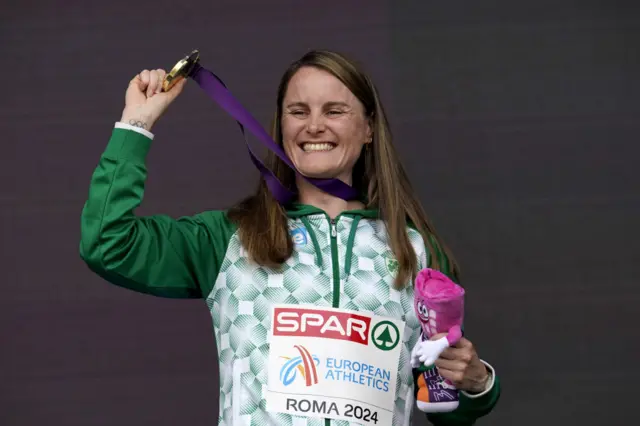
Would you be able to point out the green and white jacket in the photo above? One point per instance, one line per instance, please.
(345, 263)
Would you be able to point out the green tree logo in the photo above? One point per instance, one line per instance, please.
(385, 335)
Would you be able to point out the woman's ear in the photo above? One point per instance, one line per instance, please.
(369, 132)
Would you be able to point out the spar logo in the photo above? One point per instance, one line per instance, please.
(326, 324)
(336, 325)
(306, 364)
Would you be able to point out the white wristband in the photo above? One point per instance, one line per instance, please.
(489, 385)
(147, 133)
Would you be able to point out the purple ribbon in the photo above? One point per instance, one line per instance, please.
(215, 88)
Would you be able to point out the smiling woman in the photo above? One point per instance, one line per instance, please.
(324, 126)
(303, 294)
(325, 99)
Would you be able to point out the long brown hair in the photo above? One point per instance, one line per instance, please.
(262, 221)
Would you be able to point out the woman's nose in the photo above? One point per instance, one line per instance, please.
(315, 124)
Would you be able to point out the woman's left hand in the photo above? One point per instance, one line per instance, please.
(461, 365)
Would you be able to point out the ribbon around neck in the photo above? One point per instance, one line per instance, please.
(216, 89)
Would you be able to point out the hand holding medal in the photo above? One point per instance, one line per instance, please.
(150, 92)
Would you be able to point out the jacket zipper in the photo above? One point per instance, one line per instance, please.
(335, 264)
(336, 274)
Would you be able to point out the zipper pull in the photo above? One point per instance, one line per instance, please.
(334, 233)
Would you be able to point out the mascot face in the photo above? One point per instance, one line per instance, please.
(422, 311)
(426, 317)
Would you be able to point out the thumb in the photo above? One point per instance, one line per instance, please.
(135, 91)
(136, 84)
(438, 336)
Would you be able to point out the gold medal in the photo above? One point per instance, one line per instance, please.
(180, 70)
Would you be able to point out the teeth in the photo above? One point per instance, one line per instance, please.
(317, 147)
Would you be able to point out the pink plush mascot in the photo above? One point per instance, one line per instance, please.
(439, 305)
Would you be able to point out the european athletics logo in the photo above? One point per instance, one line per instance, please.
(305, 364)
(299, 236)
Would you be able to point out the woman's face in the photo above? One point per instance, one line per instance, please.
(323, 125)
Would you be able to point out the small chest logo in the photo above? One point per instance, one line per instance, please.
(392, 265)
(299, 236)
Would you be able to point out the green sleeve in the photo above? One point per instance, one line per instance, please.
(469, 410)
(157, 255)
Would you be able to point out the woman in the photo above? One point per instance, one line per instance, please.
(257, 263)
